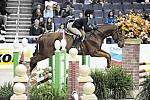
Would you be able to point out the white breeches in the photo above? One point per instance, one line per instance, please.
(73, 30)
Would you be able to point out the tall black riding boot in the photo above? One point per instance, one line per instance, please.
(76, 41)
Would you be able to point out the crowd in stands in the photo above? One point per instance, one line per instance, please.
(53, 15)
(4, 14)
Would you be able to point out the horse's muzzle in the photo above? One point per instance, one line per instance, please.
(120, 44)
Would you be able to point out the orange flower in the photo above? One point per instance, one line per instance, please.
(134, 25)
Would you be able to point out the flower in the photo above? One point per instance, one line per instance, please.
(133, 25)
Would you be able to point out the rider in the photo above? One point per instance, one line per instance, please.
(81, 25)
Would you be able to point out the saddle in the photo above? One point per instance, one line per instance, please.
(77, 40)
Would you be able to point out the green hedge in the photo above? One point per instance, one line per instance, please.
(47, 92)
(114, 83)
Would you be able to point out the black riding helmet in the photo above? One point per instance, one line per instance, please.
(88, 12)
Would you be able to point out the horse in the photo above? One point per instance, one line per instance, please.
(91, 44)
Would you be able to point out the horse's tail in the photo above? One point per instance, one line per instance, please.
(37, 46)
(32, 59)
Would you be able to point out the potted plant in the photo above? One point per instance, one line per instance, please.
(99, 80)
(144, 93)
(119, 82)
(6, 91)
(47, 92)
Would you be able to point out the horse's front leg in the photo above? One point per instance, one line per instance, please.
(101, 53)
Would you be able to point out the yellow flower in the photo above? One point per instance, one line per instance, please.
(133, 25)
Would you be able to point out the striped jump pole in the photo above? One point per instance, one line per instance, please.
(15, 55)
(144, 63)
(143, 73)
(51, 67)
(40, 78)
(57, 65)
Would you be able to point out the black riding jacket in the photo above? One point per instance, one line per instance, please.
(80, 23)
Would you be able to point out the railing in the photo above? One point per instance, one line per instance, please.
(17, 21)
(12, 36)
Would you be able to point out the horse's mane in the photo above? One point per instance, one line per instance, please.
(104, 28)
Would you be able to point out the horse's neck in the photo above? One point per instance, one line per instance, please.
(107, 30)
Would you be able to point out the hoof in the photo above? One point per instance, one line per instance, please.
(108, 66)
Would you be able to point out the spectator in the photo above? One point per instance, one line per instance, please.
(61, 28)
(41, 23)
(2, 26)
(57, 10)
(81, 15)
(67, 2)
(37, 7)
(111, 19)
(49, 25)
(120, 14)
(37, 15)
(50, 3)
(3, 12)
(35, 30)
(48, 12)
(2, 39)
(67, 11)
(88, 1)
(3, 3)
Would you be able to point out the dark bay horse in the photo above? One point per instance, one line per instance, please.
(92, 43)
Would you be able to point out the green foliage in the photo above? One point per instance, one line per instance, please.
(144, 94)
(113, 83)
(99, 80)
(6, 91)
(118, 82)
(47, 92)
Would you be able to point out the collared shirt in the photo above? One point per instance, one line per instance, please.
(48, 13)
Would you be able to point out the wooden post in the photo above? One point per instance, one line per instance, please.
(57, 65)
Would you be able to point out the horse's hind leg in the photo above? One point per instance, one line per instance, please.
(101, 53)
